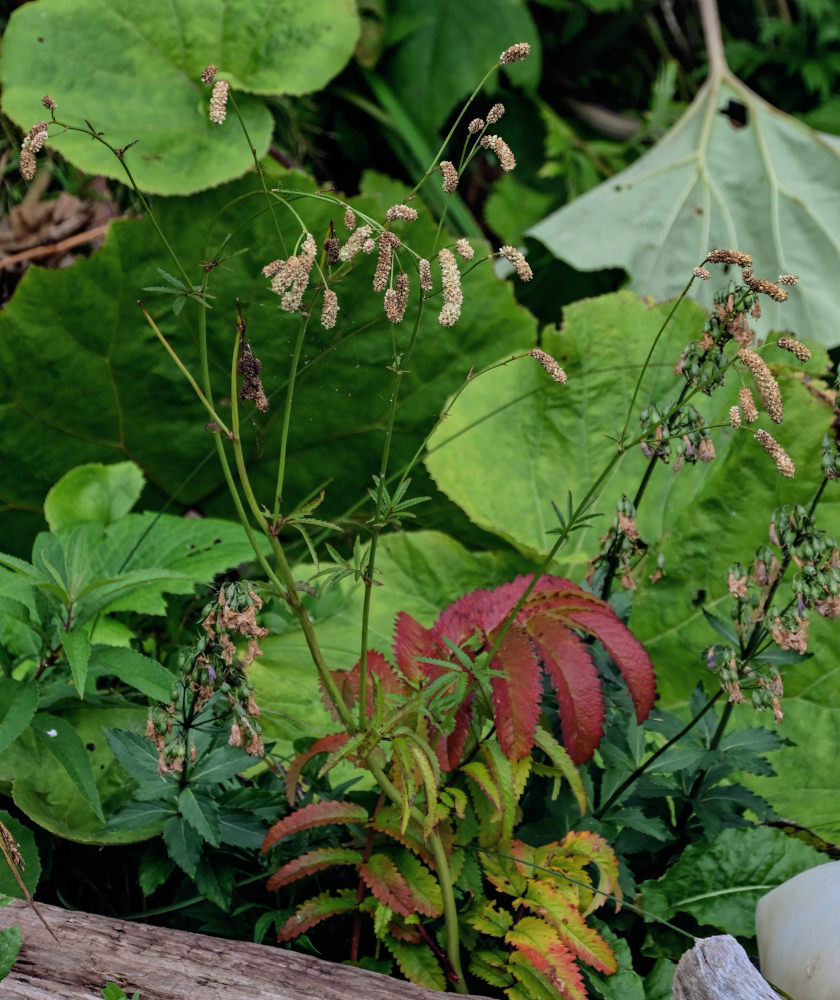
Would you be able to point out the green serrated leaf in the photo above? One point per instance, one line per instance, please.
(18, 702)
(201, 811)
(141, 672)
(10, 944)
(77, 650)
(183, 844)
(137, 754)
(57, 735)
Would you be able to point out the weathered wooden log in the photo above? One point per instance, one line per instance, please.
(717, 968)
(166, 964)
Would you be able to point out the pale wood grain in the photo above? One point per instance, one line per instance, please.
(165, 964)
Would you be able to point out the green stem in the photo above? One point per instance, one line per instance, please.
(377, 514)
(287, 412)
(646, 765)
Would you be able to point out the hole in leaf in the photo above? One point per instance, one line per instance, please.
(737, 114)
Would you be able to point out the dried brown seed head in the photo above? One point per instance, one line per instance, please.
(768, 387)
(736, 257)
(515, 53)
(798, 350)
(779, 456)
(208, 74)
(550, 365)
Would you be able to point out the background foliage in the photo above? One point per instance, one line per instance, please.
(632, 162)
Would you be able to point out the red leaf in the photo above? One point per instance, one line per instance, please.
(315, 814)
(314, 910)
(312, 861)
(577, 682)
(327, 744)
(387, 883)
(484, 610)
(389, 680)
(629, 654)
(516, 695)
(412, 640)
(450, 749)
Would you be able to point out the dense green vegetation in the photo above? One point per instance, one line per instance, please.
(480, 615)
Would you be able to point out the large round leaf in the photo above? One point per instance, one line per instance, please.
(132, 70)
(546, 439)
(768, 188)
(47, 796)
(84, 379)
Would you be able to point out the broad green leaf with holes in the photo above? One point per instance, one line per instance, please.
(768, 188)
(136, 77)
(136, 402)
(546, 439)
(45, 793)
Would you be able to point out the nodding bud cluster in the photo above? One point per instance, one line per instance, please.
(349, 219)
(249, 367)
(520, 265)
(465, 250)
(329, 311)
(495, 113)
(453, 297)
(354, 243)
(507, 161)
(403, 212)
(425, 269)
(396, 299)
(736, 257)
(798, 350)
(212, 669)
(515, 53)
(218, 101)
(32, 144)
(777, 453)
(748, 407)
(550, 365)
(450, 176)
(701, 272)
(48, 102)
(476, 125)
(291, 277)
(387, 242)
(788, 279)
(208, 75)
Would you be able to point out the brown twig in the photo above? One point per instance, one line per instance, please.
(48, 249)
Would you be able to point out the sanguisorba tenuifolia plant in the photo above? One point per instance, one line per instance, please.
(452, 727)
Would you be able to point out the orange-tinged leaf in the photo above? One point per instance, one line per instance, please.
(315, 814)
(388, 821)
(559, 982)
(629, 654)
(423, 886)
(314, 910)
(327, 744)
(576, 680)
(450, 749)
(517, 693)
(537, 943)
(555, 905)
(387, 883)
(313, 861)
(594, 849)
(480, 774)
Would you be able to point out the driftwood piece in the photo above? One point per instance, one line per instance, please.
(717, 968)
(166, 964)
